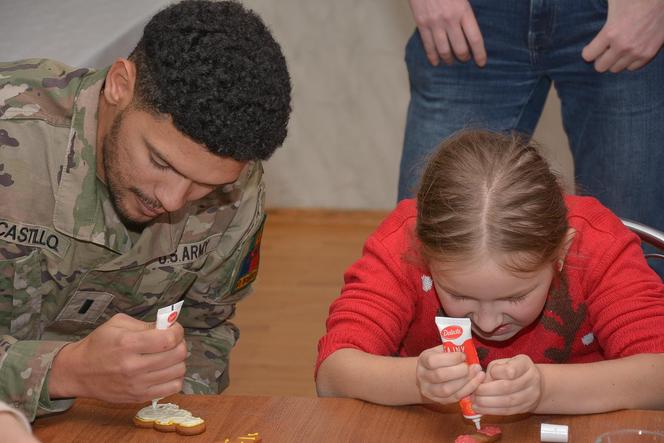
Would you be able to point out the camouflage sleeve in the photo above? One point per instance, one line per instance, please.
(24, 367)
(223, 281)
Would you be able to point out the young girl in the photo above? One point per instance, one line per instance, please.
(567, 316)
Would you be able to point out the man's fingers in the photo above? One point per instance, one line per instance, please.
(458, 42)
(607, 59)
(153, 340)
(161, 360)
(160, 390)
(596, 47)
(637, 64)
(164, 375)
(429, 45)
(442, 45)
(128, 322)
(474, 37)
(622, 64)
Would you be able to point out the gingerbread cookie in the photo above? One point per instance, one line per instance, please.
(486, 434)
(168, 417)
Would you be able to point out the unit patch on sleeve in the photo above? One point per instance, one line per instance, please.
(249, 266)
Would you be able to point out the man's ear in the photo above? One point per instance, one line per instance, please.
(120, 83)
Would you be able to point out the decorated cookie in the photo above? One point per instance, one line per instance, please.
(168, 417)
(486, 434)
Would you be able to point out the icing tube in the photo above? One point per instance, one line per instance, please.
(456, 336)
(166, 316)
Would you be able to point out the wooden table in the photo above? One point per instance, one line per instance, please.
(313, 420)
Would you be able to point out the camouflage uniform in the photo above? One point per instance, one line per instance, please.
(67, 264)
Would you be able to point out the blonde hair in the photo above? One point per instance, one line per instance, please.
(489, 193)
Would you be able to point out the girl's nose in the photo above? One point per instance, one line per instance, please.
(487, 319)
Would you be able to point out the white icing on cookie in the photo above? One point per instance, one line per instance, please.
(149, 413)
(168, 414)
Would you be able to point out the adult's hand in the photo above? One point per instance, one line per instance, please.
(632, 35)
(448, 29)
(123, 360)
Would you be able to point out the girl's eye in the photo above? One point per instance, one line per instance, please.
(158, 164)
(518, 299)
(459, 297)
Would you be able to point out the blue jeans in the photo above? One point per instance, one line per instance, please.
(614, 122)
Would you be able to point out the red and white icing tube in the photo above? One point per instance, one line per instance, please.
(456, 336)
(166, 316)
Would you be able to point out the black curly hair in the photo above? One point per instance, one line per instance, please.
(217, 71)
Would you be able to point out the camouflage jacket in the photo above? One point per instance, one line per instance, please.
(67, 263)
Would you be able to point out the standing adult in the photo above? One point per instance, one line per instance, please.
(603, 57)
(126, 189)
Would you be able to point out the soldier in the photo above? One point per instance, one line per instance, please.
(126, 189)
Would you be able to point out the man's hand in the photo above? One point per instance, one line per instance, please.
(631, 37)
(445, 377)
(124, 360)
(512, 386)
(13, 430)
(448, 28)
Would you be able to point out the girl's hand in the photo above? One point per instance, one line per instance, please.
(445, 377)
(511, 386)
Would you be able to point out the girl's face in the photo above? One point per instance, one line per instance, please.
(500, 303)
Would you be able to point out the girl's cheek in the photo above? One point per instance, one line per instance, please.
(454, 308)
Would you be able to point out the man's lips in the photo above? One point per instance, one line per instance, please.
(149, 210)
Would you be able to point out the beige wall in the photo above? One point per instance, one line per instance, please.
(349, 103)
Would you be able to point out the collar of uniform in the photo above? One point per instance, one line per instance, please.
(82, 208)
(159, 238)
(162, 236)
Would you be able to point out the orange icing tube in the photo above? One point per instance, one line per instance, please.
(456, 336)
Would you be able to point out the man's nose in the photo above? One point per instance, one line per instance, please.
(174, 194)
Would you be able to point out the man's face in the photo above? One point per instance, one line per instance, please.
(150, 167)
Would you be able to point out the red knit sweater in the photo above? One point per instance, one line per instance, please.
(608, 304)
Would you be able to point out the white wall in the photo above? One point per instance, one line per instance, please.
(350, 85)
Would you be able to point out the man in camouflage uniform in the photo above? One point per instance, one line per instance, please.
(127, 189)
